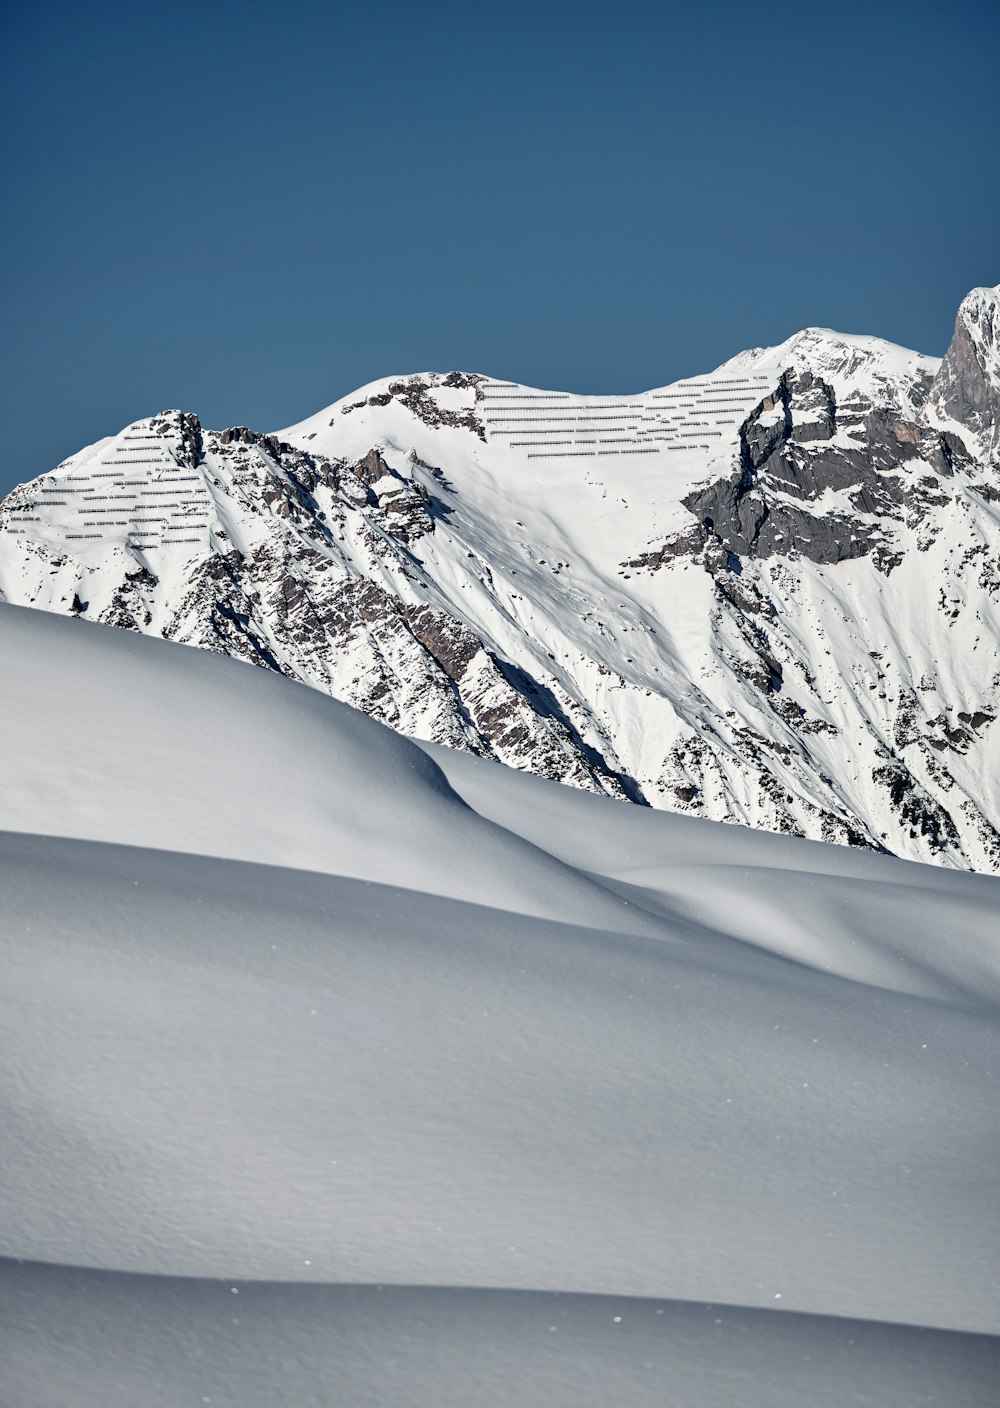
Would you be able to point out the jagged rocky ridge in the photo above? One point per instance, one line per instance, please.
(768, 595)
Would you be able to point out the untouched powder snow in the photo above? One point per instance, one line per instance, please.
(180, 750)
(179, 1342)
(425, 1080)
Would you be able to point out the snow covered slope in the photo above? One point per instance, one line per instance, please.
(768, 594)
(117, 1340)
(446, 1080)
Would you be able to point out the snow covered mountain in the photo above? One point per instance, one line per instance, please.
(334, 1069)
(769, 594)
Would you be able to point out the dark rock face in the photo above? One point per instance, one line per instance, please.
(191, 441)
(372, 468)
(915, 807)
(129, 607)
(184, 430)
(451, 646)
(789, 462)
(406, 500)
(967, 388)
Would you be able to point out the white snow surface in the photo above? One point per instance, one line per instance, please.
(341, 1070)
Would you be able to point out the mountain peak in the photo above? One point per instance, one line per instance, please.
(979, 303)
(966, 389)
(764, 594)
(850, 363)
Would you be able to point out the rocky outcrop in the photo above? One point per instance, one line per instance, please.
(416, 393)
(819, 480)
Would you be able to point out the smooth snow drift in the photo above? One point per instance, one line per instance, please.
(597, 1095)
(115, 1341)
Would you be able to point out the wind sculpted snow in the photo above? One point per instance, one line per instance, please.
(524, 1057)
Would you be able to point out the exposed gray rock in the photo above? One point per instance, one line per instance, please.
(416, 394)
(790, 457)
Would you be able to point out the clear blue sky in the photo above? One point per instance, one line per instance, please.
(248, 210)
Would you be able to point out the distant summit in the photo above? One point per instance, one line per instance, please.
(768, 594)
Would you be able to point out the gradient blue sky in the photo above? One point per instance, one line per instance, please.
(250, 210)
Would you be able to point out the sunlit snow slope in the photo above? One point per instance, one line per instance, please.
(768, 594)
(338, 1070)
